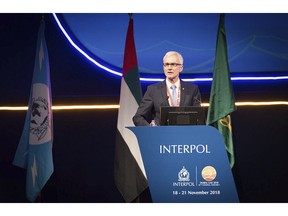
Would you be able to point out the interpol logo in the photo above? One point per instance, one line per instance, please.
(183, 175)
(183, 179)
(40, 117)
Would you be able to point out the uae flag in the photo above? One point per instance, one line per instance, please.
(129, 172)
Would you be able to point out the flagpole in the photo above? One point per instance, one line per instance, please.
(137, 199)
(222, 100)
(39, 197)
(34, 151)
(129, 173)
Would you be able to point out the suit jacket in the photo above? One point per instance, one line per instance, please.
(156, 96)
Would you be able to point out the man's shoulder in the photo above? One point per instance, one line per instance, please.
(188, 84)
(157, 85)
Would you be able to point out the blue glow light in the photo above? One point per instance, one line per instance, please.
(81, 51)
(119, 73)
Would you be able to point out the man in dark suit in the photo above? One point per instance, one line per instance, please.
(162, 93)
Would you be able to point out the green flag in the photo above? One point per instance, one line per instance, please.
(222, 101)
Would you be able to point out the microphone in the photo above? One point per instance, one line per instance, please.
(161, 105)
(166, 99)
(197, 100)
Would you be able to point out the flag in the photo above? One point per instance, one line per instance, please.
(222, 101)
(129, 172)
(34, 151)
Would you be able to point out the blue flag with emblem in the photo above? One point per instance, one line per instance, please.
(34, 151)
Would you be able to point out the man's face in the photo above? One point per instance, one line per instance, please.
(172, 67)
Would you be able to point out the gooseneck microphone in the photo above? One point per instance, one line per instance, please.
(196, 99)
(165, 100)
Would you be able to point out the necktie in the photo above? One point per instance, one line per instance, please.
(174, 95)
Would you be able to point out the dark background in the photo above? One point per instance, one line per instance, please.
(83, 148)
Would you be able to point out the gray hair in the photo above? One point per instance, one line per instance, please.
(171, 53)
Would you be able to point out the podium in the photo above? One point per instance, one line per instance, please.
(186, 164)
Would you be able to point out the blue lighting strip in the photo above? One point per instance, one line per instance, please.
(156, 79)
(81, 51)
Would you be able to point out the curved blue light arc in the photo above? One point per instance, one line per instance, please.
(81, 51)
(209, 79)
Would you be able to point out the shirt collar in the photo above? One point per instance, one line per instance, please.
(169, 84)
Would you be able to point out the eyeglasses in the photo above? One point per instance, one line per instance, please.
(173, 65)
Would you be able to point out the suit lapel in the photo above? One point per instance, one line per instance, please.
(182, 93)
(163, 90)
